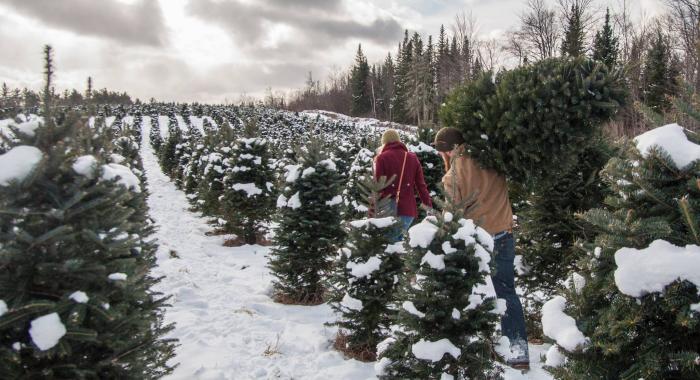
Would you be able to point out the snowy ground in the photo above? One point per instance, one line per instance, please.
(227, 325)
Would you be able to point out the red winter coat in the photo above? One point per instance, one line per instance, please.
(389, 163)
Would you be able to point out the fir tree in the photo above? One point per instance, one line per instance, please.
(154, 135)
(168, 154)
(213, 161)
(659, 75)
(74, 262)
(446, 320)
(433, 166)
(366, 273)
(531, 129)
(359, 82)
(361, 170)
(249, 191)
(573, 43)
(549, 228)
(309, 227)
(399, 104)
(193, 171)
(605, 45)
(442, 65)
(88, 91)
(387, 85)
(652, 334)
(211, 185)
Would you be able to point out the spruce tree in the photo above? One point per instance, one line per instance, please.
(659, 78)
(366, 273)
(549, 229)
(446, 319)
(193, 171)
(167, 155)
(574, 35)
(399, 103)
(432, 163)
(211, 186)
(630, 331)
(74, 262)
(309, 227)
(361, 170)
(359, 82)
(248, 199)
(605, 45)
(154, 135)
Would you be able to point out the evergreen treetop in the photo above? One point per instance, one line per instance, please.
(605, 45)
(574, 35)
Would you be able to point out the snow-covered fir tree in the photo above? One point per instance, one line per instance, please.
(155, 134)
(366, 273)
(77, 299)
(309, 229)
(167, 154)
(433, 167)
(448, 314)
(360, 171)
(249, 190)
(633, 309)
(214, 167)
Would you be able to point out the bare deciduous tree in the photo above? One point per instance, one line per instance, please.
(684, 23)
(515, 46)
(539, 29)
(489, 54)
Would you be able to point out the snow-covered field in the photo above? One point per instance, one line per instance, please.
(228, 326)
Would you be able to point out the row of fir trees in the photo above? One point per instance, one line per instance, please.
(371, 280)
(420, 308)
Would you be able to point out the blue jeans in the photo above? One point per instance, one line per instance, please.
(513, 322)
(397, 234)
(404, 224)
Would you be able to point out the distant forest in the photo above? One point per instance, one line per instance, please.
(29, 99)
(660, 57)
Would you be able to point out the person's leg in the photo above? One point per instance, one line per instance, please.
(394, 234)
(513, 322)
(405, 225)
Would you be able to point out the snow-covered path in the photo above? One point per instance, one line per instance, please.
(227, 325)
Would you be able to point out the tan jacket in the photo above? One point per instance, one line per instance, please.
(493, 211)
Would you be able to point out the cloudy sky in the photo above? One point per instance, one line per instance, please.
(215, 50)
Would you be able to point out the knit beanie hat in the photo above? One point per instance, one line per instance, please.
(389, 136)
(447, 139)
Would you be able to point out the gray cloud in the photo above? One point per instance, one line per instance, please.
(138, 23)
(306, 4)
(321, 23)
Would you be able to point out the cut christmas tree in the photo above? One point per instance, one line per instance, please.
(533, 122)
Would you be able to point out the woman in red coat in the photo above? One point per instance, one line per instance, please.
(394, 159)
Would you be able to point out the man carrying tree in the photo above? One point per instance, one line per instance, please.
(468, 182)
